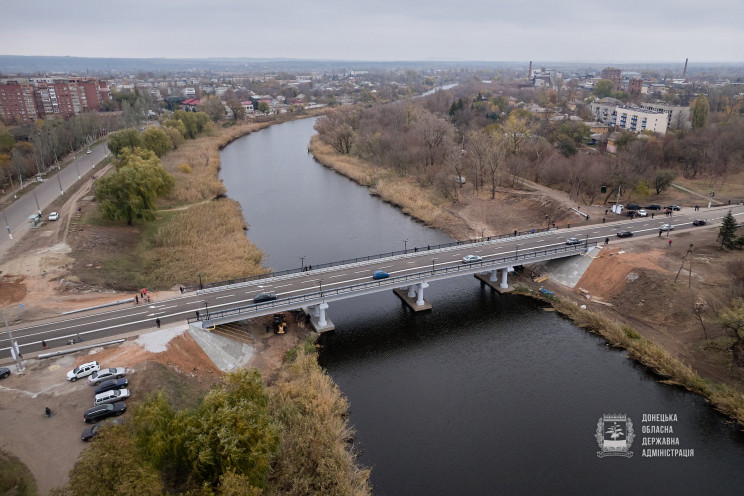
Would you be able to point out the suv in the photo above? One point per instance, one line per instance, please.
(83, 370)
(654, 206)
(103, 375)
(97, 413)
(632, 206)
(111, 396)
(4, 372)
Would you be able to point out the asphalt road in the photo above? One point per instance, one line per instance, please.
(30, 202)
(129, 317)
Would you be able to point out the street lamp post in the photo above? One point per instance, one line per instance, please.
(201, 286)
(7, 225)
(37, 202)
(61, 191)
(302, 262)
(77, 169)
(516, 249)
(405, 246)
(432, 264)
(483, 233)
(586, 241)
(320, 284)
(206, 309)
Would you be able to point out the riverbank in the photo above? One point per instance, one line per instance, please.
(664, 334)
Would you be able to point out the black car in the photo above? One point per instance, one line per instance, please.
(624, 234)
(97, 413)
(91, 432)
(633, 206)
(655, 206)
(4, 372)
(262, 297)
(698, 222)
(112, 384)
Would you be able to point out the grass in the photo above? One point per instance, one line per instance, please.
(15, 477)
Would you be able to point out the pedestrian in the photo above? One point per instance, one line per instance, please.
(607, 240)
(660, 231)
(515, 232)
(148, 299)
(142, 295)
(181, 288)
(43, 345)
(606, 210)
(197, 312)
(136, 300)
(603, 220)
(670, 243)
(652, 215)
(568, 226)
(157, 323)
(48, 412)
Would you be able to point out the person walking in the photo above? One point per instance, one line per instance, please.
(43, 345)
(670, 243)
(48, 412)
(197, 312)
(660, 231)
(652, 215)
(157, 322)
(136, 300)
(603, 220)
(607, 240)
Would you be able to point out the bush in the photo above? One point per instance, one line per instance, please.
(184, 167)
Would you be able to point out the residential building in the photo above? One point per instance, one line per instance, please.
(635, 86)
(638, 120)
(46, 97)
(17, 103)
(615, 75)
(604, 109)
(677, 115)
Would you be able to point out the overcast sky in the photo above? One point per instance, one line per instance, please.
(487, 30)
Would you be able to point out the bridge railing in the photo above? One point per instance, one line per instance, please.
(416, 249)
(524, 257)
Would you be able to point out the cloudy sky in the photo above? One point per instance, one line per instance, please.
(487, 30)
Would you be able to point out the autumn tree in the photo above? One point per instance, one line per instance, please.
(131, 192)
(700, 110)
(128, 138)
(732, 319)
(213, 107)
(603, 88)
(434, 133)
(336, 128)
(156, 139)
(663, 179)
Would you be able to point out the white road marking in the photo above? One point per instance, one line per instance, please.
(226, 296)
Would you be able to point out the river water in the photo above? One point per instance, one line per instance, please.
(485, 394)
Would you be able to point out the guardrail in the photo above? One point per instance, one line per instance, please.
(390, 281)
(416, 249)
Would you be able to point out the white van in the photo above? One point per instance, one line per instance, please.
(83, 370)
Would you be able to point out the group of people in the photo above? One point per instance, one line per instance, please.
(144, 296)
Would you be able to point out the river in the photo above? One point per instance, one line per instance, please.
(485, 394)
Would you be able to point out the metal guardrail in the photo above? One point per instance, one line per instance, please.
(390, 281)
(416, 249)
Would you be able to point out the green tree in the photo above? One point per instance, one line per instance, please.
(237, 108)
(727, 233)
(263, 107)
(156, 139)
(6, 141)
(131, 192)
(663, 179)
(129, 138)
(603, 88)
(178, 126)
(732, 319)
(700, 110)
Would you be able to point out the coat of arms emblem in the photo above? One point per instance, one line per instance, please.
(614, 435)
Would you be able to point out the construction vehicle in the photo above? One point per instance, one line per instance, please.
(280, 323)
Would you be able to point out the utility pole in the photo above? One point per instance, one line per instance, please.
(7, 225)
(14, 350)
(689, 250)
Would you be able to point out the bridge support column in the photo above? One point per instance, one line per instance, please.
(318, 317)
(412, 291)
(420, 301)
(321, 314)
(494, 275)
(504, 284)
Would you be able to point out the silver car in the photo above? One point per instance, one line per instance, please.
(111, 396)
(105, 374)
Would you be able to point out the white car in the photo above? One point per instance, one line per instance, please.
(111, 396)
(573, 241)
(666, 227)
(471, 259)
(642, 213)
(88, 151)
(105, 374)
(54, 216)
(83, 370)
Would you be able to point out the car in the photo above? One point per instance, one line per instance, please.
(112, 384)
(97, 413)
(642, 213)
(54, 216)
(698, 222)
(105, 374)
(111, 396)
(87, 151)
(672, 207)
(262, 297)
(83, 370)
(624, 234)
(666, 227)
(573, 241)
(471, 259)
(91, 432)
(4, 372)
(632, 206)
(380, 274)
(654, 206)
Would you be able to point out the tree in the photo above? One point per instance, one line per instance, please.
(336, 128)
(129, 138)
(727, 233)
(263, 107)
(700, 110)
(732, 319)
(663, 179)
(237, 108)
(603, 88)
(157, 140)
(213, 107)
(131, 192)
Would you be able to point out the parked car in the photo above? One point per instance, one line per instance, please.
(105, 374)
(112, 384)
(83, 370)
(471, 259)
(380, 274)
(111, 396)
(654, 206)
(642, 213)
(666, 227)
(92, 431)
(672, 207)
(698, 222)
(632, 206)
(624, 234)
(4, 372)
(573, 241)
(87, 151)
(54, 216)
(262, 297)
(101, 412)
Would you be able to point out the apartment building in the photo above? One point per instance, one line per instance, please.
(638, 120)
(677, 115)
(17, 103)
(24, 100)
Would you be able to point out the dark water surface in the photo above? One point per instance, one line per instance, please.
(486, 394)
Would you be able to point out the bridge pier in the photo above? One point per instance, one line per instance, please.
(492, 280)
(408, 295)
(318, 317)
